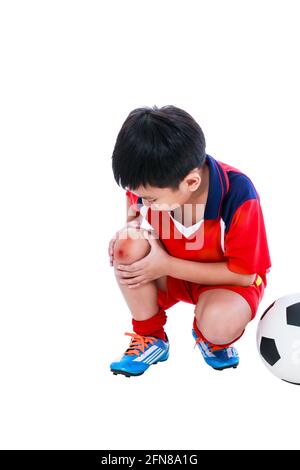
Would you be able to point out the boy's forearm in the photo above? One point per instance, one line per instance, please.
(206, 273)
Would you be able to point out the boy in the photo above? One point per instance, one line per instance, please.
(207, 243)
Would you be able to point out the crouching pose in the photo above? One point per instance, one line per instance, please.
(195, 233)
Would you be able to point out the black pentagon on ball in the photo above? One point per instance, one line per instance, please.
(293, 314)
(267, 309)
(269, 351)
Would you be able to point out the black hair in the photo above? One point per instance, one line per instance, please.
(157, 147)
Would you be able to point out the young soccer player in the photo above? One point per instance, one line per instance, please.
(195, 233)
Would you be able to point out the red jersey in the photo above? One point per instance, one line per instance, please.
(232, 229)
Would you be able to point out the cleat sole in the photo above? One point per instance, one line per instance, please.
(126, 374)
(226, 367)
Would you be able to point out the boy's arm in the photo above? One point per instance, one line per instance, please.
(245, 249)
(246, 252)
(206, 273)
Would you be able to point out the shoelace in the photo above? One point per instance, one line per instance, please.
(138, 343)
(212, 347)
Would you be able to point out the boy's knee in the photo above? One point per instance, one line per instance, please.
(218, 336)
(130, 246)
(217, 331)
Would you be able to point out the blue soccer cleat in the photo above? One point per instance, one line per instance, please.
(218, 359)
(142, 352)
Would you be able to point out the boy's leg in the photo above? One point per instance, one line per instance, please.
(221, 316)
(148, 317)
(161, 283)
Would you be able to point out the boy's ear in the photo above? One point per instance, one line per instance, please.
(193, 180)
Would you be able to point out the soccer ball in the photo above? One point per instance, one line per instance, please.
(278, 338)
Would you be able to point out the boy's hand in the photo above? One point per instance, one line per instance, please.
(151, 267)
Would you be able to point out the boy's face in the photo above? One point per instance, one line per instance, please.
(168, 198)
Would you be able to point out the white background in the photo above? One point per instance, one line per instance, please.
(71, 71)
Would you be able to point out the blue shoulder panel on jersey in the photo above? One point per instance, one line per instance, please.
(241, 189)
(216, 191)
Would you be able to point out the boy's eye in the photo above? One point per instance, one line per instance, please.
(149, 200)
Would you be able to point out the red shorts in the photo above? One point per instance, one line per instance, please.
(179, 290)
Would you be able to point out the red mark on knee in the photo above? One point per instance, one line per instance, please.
(124, 248)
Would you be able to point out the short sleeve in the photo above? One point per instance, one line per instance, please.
(245, 243)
